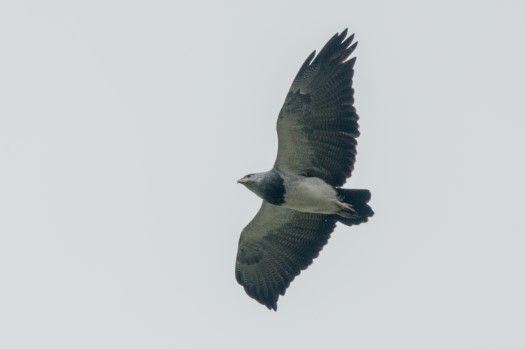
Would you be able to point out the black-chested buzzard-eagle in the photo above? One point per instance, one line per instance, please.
(302, 195)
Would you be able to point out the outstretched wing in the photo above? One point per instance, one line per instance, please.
(275, 246)
(317, 126)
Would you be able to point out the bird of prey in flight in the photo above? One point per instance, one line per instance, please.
(302, 195)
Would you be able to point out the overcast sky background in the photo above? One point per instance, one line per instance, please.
(124, 126)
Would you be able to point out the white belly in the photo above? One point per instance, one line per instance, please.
(310, 194)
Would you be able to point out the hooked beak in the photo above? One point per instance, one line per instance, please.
(243, 180)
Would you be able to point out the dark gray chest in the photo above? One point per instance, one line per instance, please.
(272, 189)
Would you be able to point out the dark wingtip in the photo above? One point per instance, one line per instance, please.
(312, 55)
(348, 41)
(269, 303)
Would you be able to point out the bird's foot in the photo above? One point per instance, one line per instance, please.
(346, 211)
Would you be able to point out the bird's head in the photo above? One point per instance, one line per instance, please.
(250, 179)
(266, 185)
(256, 182)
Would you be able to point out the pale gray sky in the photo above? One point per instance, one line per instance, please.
(124, 126)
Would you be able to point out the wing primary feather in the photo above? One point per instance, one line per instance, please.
(348, 40)
(305, 66)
